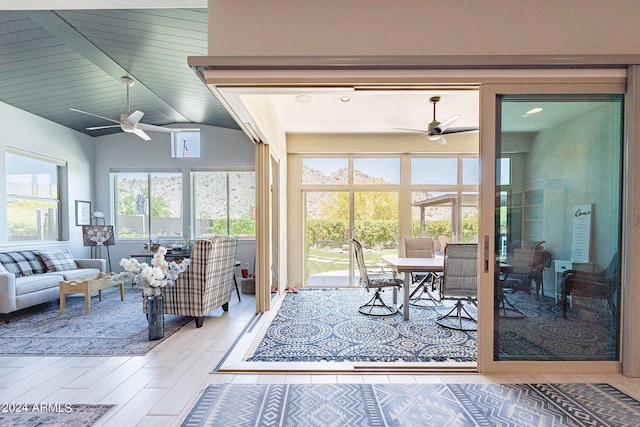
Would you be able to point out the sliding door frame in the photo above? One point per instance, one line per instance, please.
(229, 81)
(488, 137)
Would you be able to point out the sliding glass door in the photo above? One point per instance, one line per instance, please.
(557, 229)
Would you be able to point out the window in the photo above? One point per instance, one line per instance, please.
(224, 203)
(185, 143)
(376, 171)
(504, 171)
(470, 172)
(434, 171)
(33, 196)
(325, 171)
(148, 205)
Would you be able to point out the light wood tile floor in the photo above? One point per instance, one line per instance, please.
(159, 388)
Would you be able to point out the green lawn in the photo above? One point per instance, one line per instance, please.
(322, 261)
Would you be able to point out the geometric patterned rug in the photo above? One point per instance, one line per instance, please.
(419, 405)
(112, 328)
(325, 325)
(38, 414)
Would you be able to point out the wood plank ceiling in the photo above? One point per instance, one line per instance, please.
(51, 61)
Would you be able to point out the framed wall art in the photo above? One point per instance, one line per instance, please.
(83, 212)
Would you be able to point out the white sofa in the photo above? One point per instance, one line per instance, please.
(29, 277)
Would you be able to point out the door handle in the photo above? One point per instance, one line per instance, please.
(486, 253)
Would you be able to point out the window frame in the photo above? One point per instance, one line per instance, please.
(193, 201)
(60, 166)
(148, 223)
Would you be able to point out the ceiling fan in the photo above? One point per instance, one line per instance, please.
(129, 122)
(436, 130)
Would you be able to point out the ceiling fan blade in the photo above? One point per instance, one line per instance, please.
(95, 115)
(133, 118)
(460, 129)
(440, 139)
(443, 126)
(142, 134)
(103, 127)
(414, 130)
(413, 138)
(155, 128)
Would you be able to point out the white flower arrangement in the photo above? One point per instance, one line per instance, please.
(151, 278)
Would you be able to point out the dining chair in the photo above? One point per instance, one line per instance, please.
(377, 281)
(601, 285)
(460, 282)
(421, 248)
(528, 260)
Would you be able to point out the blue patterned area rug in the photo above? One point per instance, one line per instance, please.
(409, 405)
(325, 325)
(112, 328)
(22, 415)
(543, 334)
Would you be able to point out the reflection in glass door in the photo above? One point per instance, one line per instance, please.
(558, 228)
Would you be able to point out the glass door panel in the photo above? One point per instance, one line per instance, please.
(469, 218)
(558, 208)
(375, 225)
(433, 214)
(327, 238)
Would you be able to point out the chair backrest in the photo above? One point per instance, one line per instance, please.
(208, 281)
(612, 272)
(529, 259)
(460, 277)
(359, 256)
(522, 259)
(416, 248)
(444, 240)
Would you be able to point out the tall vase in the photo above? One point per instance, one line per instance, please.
(155, 317)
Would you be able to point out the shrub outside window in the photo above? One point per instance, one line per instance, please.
(224, 203)
(148, 205)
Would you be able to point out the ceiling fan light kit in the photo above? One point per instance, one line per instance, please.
(129, 122)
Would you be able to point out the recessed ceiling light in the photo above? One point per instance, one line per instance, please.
(345, 99)
(532, 111)
(303, 99)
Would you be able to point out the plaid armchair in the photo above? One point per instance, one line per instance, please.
(207, 283)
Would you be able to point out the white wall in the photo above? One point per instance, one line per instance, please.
(417, 27)
(578, 162)
(29, 132)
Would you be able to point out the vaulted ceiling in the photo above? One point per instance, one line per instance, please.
(51, 61)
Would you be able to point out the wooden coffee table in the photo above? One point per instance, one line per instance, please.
(86, 286)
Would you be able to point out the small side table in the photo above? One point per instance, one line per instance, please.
(86, 286)
(560, 266)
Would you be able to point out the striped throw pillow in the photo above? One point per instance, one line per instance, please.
(22, 263)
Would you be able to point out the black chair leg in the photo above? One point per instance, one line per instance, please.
(376, 301)
(235, 281)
